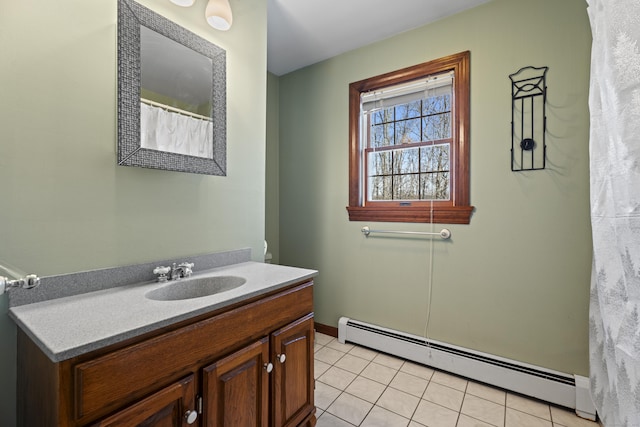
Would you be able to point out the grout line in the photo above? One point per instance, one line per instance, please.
(422, 396)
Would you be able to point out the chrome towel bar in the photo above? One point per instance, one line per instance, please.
(444, 233)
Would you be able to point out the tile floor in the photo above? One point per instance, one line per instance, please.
(356, 386)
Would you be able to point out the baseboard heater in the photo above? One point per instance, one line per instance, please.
(571, 391)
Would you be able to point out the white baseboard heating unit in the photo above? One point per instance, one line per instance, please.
(571, 391)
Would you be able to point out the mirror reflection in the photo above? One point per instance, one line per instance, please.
(175, 97)
(171, 95)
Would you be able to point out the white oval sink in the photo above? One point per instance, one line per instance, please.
(195, 288)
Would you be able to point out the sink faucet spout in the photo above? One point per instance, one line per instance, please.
(176, 272)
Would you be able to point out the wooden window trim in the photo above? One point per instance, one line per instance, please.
(454, 211)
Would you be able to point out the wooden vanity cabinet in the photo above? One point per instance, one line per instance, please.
(236, 388)
(293, 380)
(247, 365)
(162, 409)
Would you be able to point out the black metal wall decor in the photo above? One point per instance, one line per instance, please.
(528, 118)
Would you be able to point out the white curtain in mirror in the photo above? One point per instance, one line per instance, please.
(174, 132)
(614, 102)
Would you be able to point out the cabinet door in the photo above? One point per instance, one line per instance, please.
(173, 406)
(236, 388)
(293, 381)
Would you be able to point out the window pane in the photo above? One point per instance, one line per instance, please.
(380, 188)
(408, 131)
(435, 183)
(405, 187)
(436, 104)
(408, 111)
(435, 186)
(436, 127)
(406, 161)
(434, 158)
(382, 116)
(380, 163)
(382, 135)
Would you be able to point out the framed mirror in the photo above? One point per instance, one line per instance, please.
(171, 95)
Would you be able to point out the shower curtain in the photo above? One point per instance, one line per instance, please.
(176, 133)
(614, 101)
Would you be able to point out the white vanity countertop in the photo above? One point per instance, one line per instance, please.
(71, 326)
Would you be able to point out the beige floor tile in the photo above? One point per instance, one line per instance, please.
(337, 345)
(467, 421)
(515, 418)
(380, 417)
(328, 420)
(382, 374)
(389, 361)
(483, 410)
(364, 353)
(444, 396)
(433, 415)
(350, 408)
(417, 370)
(322, 339)
(328, 355)
(319, 368)
(569, 418)
(530, 406)
(486, 392)
(399, 402)
(449, 380)
(337, 378)
(366, 389)
(409, 384)
(324, 395)
(352, 363)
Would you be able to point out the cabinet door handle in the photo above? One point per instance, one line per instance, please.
(191, 416)
(281, 357)
(268, 367)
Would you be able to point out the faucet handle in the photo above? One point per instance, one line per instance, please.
(31, 281)
(162, 272)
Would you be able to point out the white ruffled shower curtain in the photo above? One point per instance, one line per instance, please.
(176, 133)
(614, 101)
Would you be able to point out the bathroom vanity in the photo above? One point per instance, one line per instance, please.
(243, 359)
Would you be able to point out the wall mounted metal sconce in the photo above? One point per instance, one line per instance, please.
(528, 118)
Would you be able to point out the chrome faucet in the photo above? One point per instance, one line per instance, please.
(176, 272)
(182, 270)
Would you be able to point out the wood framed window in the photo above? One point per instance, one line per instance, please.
(409, 144)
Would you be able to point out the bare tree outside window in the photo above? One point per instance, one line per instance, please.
(408, 150)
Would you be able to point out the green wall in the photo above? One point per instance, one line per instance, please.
(66, 205)
(515, 281)
(272, 180)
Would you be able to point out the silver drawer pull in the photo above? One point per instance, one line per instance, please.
(281, 357)
(268, 367)
(191, 416)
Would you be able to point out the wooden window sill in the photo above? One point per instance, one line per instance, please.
(441, 214)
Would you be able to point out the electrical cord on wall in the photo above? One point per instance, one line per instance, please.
(429, 280)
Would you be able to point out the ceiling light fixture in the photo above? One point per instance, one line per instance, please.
(183, 3)
(218, 14)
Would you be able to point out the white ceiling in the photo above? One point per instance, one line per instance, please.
(303, 32)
